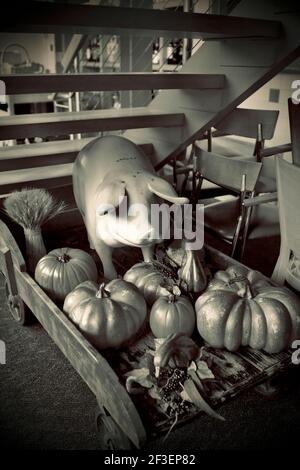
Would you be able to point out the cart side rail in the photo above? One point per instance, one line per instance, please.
(7, 240)
(88, 362)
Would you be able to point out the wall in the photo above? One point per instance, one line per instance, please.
(40, 47)
(260, 100)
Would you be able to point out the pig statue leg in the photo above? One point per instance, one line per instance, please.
(105, 254)
(148, 253)
(92, 247)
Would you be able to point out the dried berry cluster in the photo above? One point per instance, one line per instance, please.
(170, 392)
(164, 270)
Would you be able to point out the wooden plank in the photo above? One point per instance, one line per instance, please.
(47, 83)
(7, 241)
(47, 124)
(47, 153)
(46, 17)
(294, 115)
(86, 360)
(45, 177)
(8, 270)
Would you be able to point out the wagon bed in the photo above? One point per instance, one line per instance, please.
(125, 419)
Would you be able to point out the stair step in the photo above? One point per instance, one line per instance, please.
(47, 153)
(45, 177)
(46, 17)
(47, 83)
(51, 124)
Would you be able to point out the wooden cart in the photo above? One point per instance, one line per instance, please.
(123, 420)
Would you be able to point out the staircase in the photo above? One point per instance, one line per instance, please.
(241, 53)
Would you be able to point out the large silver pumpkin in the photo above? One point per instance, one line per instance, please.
(110, 315)
(240, 308)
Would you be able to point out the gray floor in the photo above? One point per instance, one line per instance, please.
(45, 405)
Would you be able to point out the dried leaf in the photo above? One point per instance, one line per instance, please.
(203, 371)
(177, 350)
(191, 390)
(140, 377)
(192, 366)
(185, 396)
(155, 393)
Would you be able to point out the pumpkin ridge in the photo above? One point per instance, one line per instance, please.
(53, 275)
(75, 272)
(233, 333)
(132, 323)
(292, 304)
(211, 324)
(258, 337)
(176, 314)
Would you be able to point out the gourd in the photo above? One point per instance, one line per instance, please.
(152, 279)
(172, 314)
(109, 316)
(62, 269)
(191, 274)
(242, 308)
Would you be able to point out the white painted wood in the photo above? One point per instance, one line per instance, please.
(49, 124)
(35, 174)
(47, 153)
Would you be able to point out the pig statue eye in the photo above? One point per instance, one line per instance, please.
(105, 209)
(109, 197)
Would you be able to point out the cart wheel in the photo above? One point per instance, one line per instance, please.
(111, 436)
(18, 310)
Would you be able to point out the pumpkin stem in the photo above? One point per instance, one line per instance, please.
(102, 292)
(176, 292)
(64, 258)
(247, 290)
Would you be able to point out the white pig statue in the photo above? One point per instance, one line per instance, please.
(108, 171)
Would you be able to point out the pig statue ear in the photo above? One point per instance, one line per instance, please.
(110, 195)
(165, 191)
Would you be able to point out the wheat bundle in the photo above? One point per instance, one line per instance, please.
(31, 208)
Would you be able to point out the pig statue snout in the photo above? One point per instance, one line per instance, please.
(115, 187)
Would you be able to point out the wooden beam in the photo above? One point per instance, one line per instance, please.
(75, 44)
(294, 116)
(47, 153)
(19, 84)
(51, 124)
(46, 17)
